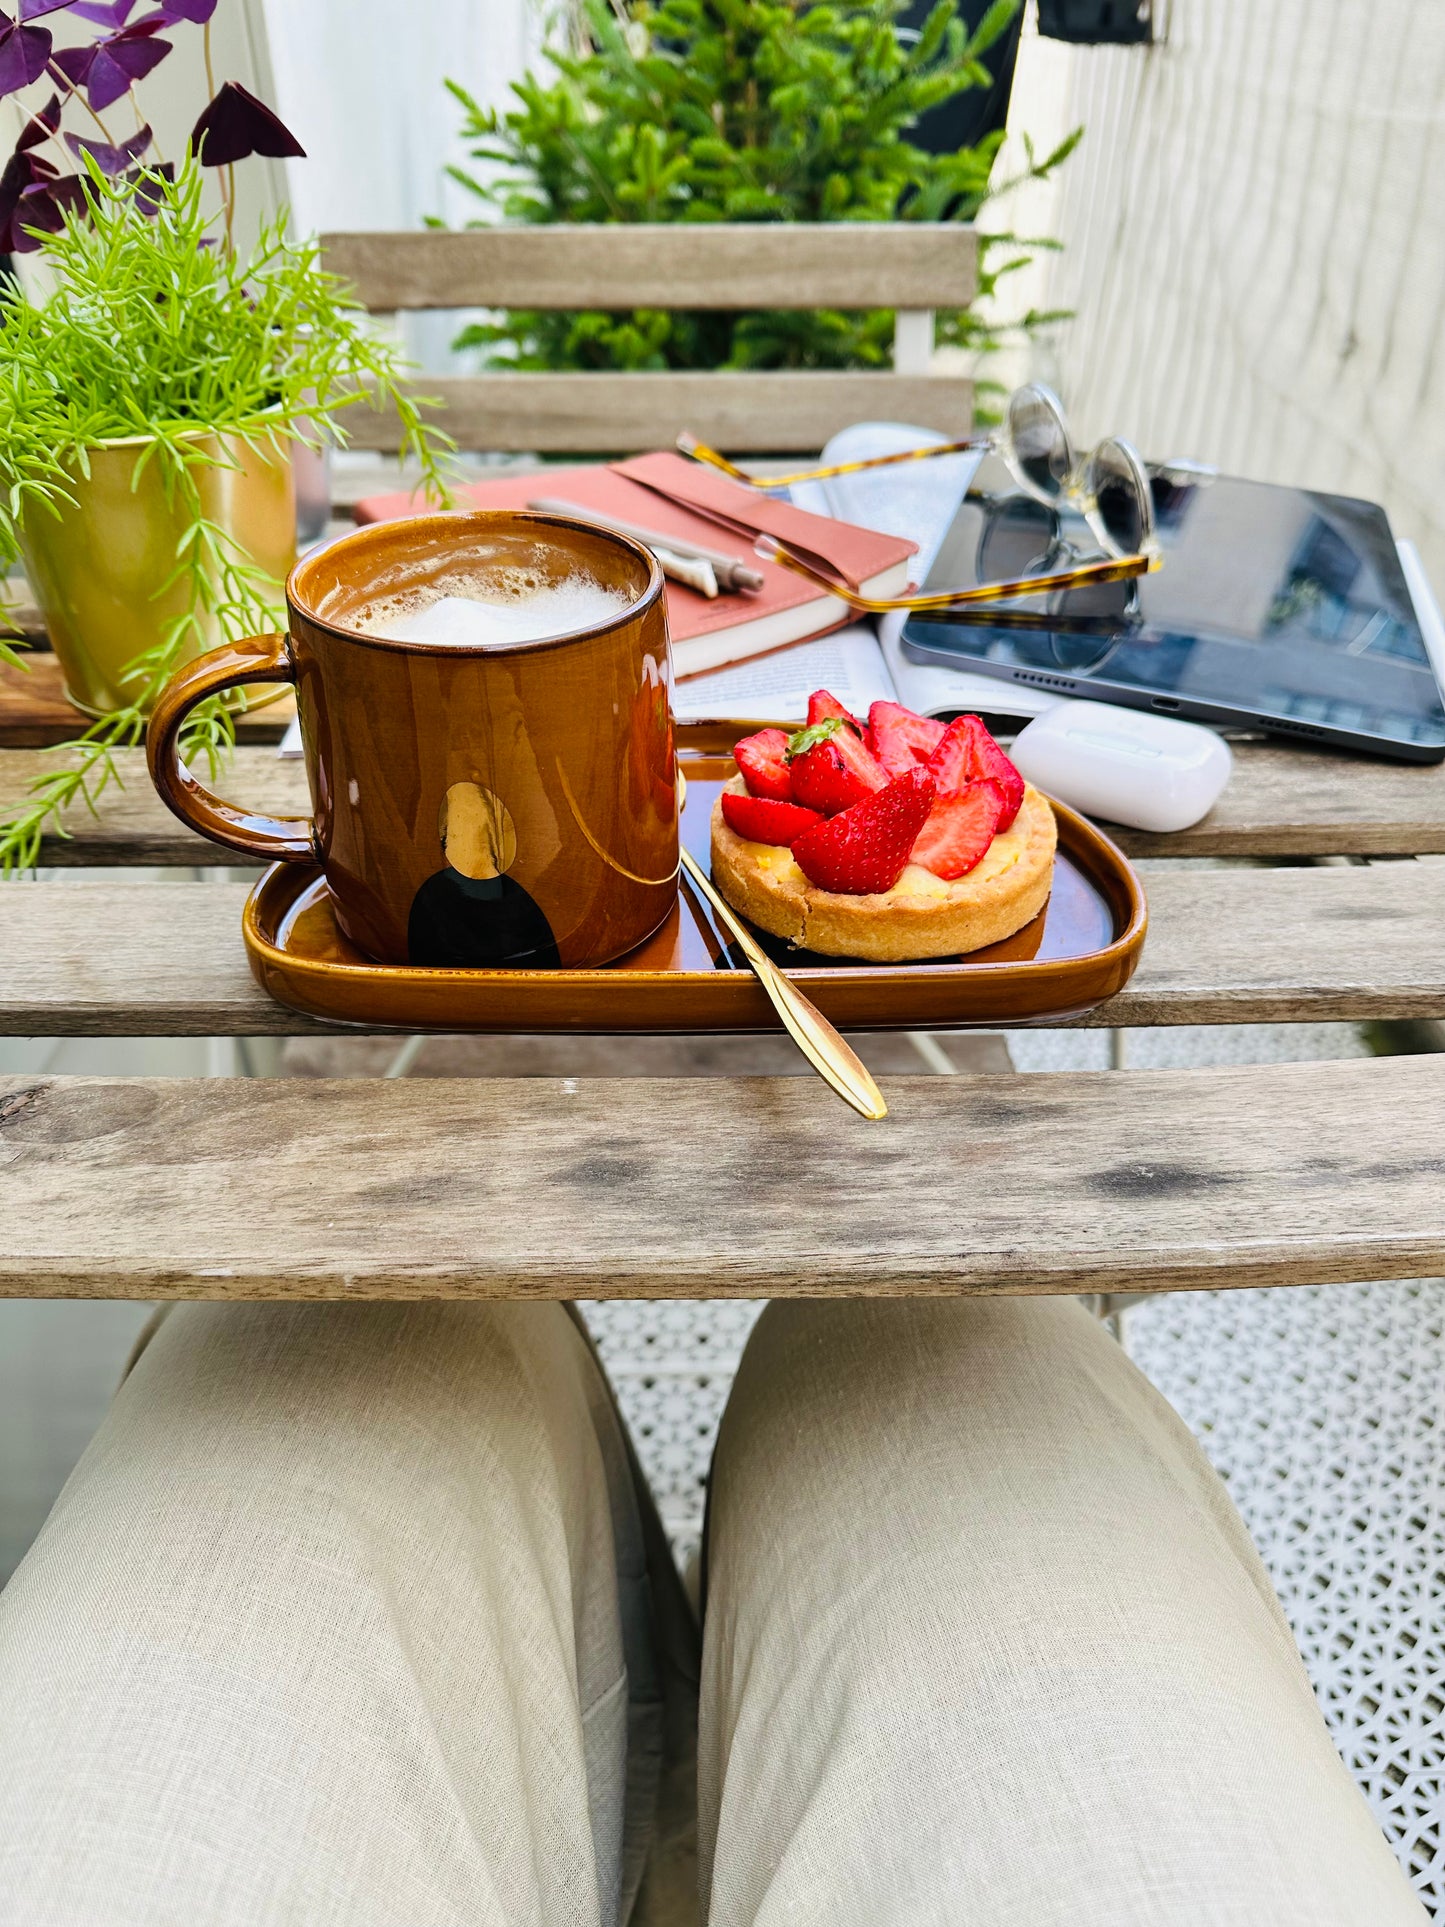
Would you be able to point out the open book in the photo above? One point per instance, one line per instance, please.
(865, 663)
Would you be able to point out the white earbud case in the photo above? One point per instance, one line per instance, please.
(1151, 772)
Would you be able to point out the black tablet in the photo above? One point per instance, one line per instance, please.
(1276, 608)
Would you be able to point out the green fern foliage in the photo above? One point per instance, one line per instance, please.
(738, 110)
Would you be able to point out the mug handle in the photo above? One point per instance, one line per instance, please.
(286, 839)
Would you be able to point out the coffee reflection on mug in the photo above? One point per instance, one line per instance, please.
(471, 915)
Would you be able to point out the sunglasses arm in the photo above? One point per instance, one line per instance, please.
(700, 452)
(1087, 575)
(1032, 620)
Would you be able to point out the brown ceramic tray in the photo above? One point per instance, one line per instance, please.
(1079, 950)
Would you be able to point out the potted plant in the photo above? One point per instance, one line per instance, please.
(152, 395)
(741, 110)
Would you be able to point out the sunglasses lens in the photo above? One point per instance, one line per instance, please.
(1017, 540)
(1040, 452)
(1122, 510)
(1065, 651)
(1102, 602)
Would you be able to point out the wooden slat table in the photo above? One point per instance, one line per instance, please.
(646, 1186)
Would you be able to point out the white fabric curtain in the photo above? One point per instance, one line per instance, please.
(360, 83)
(1254, 243)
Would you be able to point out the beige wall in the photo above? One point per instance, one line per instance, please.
(1254, 239)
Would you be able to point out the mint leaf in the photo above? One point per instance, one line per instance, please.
(805, 739)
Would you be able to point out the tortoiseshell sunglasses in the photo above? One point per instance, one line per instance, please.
(1109, 487)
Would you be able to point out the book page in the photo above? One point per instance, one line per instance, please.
(921, 500)
(915, 500)
(776, 688)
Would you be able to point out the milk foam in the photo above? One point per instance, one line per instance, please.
(512, 606)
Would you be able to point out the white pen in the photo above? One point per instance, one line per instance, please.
(690, 569)
(700, 569)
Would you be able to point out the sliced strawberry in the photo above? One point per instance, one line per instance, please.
(967, 753)
(822, 705)
(864, 850)
(959, 830)
(989, 764)
(899, 739)
(830, 768)
(763, 760)
(951, 761)
(763, 819)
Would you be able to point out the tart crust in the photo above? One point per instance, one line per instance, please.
(921, 916)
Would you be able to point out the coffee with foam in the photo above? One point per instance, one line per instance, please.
(490, 609)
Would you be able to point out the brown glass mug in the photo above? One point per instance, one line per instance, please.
(509, 806)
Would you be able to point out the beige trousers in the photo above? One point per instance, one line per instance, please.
(359, 1614)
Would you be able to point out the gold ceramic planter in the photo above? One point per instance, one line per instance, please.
(97, 564)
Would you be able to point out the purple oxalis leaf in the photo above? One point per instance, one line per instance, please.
(32, 9)
(46, 204)
(171, 12)
(111, 67)
(22, 170)
(43, 205)
(110, 160)
(74, 63)
(105, 13)
(40, 126)
(24, 52)
(237, 124)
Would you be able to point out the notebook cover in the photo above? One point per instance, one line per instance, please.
(856, 554)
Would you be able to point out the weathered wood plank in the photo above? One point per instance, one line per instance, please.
(1225, 946)
(35, 711)
(604, 414)
(588, 1054)
(132, 825)
(906, 264)
(1265, 1175)
(1281, 802)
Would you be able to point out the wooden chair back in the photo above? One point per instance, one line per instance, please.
(913, 267)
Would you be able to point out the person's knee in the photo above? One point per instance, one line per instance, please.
(244, 1404)
(355, 1365)
(844, 1365)
(849, 1414)
(298, 1438)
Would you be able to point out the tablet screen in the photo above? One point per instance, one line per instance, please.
(1273, 604)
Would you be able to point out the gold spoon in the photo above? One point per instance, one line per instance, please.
(809, 1029)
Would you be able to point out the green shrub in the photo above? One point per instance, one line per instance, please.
(739, 110)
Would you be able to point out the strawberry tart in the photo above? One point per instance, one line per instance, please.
(899, 838)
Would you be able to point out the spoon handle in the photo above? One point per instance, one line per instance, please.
(809, 1029)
